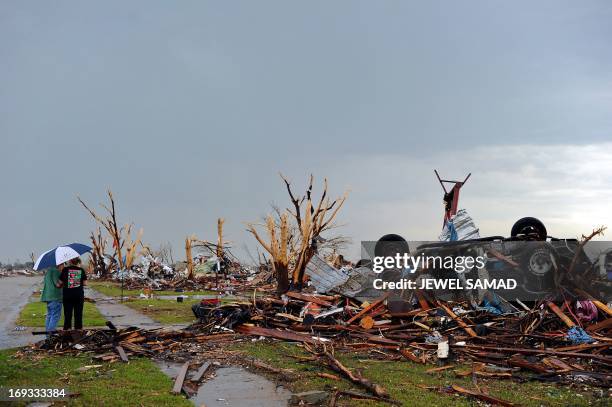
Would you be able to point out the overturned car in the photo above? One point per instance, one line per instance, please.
(528, 265)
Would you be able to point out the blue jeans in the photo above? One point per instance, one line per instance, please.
(54, 312)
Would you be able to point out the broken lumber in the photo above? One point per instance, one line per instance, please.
(368, 308)
(566, 320)
(201, 371)
(178, 383)
(356, 378)
(481, 396)
(411, 356)
(329, 376)
(458, 320)
(275, 333)
(603, 358)
(121, 353)
(359, 396)
(439, 369)
(308, 298)
(288, 374)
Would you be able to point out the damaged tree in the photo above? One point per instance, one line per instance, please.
(217, 249)
(298, 242)
(98, 244)
(312, 220)
(189, 256)
(277, 247)
(121, 236)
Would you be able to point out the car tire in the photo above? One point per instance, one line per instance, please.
(531, 226)
(390, 245)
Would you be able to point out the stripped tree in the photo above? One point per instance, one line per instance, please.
(277, 246)
(189, 256)
(98, 244)
(311, 218)
(120, 236)
(218, 249)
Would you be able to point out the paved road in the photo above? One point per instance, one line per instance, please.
(14, 294)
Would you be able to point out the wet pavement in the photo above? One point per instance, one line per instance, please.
(123, 316)
(234, 387)
(15, 292)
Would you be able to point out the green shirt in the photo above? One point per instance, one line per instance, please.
(50, 290)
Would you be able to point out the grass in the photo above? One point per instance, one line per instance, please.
(113, 289)
(34, 313)
(138, 382)
(165, 311)
(403, 378)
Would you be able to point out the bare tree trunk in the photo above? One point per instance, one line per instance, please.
(189, 258)
(282, 278)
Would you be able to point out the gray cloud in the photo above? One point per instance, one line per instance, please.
(189, 110)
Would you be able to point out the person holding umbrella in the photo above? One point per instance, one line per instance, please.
(72, 279)
(52, 295)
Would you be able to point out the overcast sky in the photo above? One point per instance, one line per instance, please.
(188, 110)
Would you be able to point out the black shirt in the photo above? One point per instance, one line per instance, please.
(73, 277)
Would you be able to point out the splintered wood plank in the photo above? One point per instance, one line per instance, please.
(198, 376)
(602, 307)
(122, 354)
(368, 308)
(605, 324)
(439, 369)
(481, 396)
(178, 383)
(566, 320)
(274, 333)
(308, 298)
(411, 356)
(458, 320)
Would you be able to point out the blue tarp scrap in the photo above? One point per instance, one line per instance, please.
(578, 335)
(492, 304)
(453, 232)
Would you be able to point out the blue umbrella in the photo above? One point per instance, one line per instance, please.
(60, 254)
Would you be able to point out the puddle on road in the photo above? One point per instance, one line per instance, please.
(234, 387)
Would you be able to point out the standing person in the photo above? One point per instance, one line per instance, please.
(73, 279)
(52, 295)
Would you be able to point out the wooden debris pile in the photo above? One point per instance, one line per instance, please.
(549, 341)
(114, 344)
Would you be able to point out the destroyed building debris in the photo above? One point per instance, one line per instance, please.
(296, 295)
(546, 342)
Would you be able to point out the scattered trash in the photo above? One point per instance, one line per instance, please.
(578, 335)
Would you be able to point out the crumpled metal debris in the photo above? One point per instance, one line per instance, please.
(459, 227)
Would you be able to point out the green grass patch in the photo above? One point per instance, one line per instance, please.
(165, 311)
(34, 314)
(113, 289)
(402, 378)
(138, 382)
